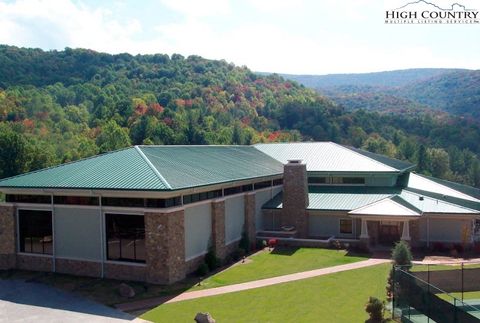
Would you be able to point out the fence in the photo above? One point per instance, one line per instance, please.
(425, 294)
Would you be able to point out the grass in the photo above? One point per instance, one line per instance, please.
(338, 297)
(280, 261)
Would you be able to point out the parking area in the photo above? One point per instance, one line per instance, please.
(22, 301)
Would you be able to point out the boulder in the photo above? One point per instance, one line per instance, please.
(204, 318)
(125, 290)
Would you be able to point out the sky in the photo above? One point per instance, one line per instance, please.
(282, 36)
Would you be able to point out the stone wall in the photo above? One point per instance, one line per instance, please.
(165, 246)
(295, 198)
(250, 227)
(78, 267)
(125, 272)
(218, 228)
(7, 237)
(33, 262)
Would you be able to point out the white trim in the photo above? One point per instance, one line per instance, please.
(126, 263)
(196, 255)
(33, 206)
(77, 259)
(35, 254)
(149, 163)
(76, 206)
(122, 210)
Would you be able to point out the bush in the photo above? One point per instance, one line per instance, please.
(375, 309)
(202, 270)
(211, 259)
(238, 254)
(459, 247)
(402, 255)
(439, 247)
(244, 242)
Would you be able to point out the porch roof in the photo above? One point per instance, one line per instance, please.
(391, 206)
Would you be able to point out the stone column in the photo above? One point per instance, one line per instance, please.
(364, 237)
(406, 231)
(218, 228)
(250, 226)
(7, 237)
(295, 197)
(165, 247)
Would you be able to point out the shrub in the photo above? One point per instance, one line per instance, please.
(439, 247)
(375, 309)
(238, 254)
(244, 242)
(459, 247)
(402, 255)
(202, 270)
(211, 259)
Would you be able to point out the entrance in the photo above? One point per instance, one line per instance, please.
(389, 232)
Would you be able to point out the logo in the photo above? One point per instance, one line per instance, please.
(424, 12)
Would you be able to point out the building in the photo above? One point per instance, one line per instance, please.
(151, 213)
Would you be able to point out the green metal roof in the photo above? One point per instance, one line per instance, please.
(331, 157)
(435, 185)
(154, 168)
(348, 198)
(338, 198)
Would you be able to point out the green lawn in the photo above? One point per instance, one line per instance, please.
(281, 261)
(338, 297)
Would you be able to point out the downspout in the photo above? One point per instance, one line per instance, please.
(102, 238)
(53, 233)
(428, 231)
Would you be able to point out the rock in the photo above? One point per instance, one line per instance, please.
(204, 318)
(125, 290)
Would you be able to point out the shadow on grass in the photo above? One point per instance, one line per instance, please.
(284, 251)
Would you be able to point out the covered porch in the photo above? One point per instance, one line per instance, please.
(387, 221)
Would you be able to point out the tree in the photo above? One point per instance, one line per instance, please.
(439, 161)
(113, 137)
(15, 153)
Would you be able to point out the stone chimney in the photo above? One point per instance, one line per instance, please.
(295, 197)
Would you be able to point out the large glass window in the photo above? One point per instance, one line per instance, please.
(346, 226)
(125, 237)
(35, 230)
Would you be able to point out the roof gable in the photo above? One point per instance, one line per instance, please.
(331, 157)
(391, 206)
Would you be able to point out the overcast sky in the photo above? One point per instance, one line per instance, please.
(284, 36)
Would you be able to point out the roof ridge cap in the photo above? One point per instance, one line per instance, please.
(155, 171)
(355, 152)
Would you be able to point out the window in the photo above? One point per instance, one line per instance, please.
(125, 237)
(317, 180)
(40, 199)
(261, 185)
(76, 200)
(353, 180)
(247, 188)
(187, 199)
(122, 201)
(232, 190)
(346, 226)
(278, 181)
(35, 230)
(164, 203)
(348, 180)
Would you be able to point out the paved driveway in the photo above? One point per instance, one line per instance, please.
(32, 302)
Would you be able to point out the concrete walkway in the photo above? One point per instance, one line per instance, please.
(149, 303)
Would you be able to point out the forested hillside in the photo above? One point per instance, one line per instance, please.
(60, 106)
